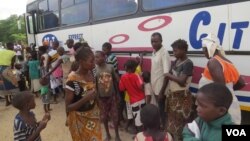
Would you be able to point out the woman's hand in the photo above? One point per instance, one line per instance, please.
(90, 95)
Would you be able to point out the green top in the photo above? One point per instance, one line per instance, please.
(6, 57)
(44, 90)
(34, 69)
(211, 131)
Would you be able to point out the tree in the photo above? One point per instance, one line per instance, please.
(9, 31)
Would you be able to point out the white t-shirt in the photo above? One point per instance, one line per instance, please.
(18, 47)
(160, 64)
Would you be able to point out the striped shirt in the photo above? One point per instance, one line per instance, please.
(22, 130)
(111, 59)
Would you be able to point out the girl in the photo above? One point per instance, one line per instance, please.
(180, 102)
(81, 107)
(150, 118)
(56, 76)
(26, 126)
(45, 93)
(34, 73)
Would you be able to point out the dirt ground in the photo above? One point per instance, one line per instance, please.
(55, 130)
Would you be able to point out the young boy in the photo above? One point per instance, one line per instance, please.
(213, 101)
(132, 83)
(26, 126)
(106, 79)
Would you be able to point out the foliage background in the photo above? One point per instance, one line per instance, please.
(13, 29)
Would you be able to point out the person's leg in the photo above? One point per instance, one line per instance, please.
(161, 104)
(115, 117)
(106, 127)
(7, 100)
(45, 108)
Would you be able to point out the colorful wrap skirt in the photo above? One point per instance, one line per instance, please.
(8, 80)
(85, 126)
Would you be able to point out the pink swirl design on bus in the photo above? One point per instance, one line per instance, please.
(125, 38)
(167, 20)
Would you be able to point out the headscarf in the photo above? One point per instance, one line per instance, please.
(212, 43)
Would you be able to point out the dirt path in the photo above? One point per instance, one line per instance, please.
(55, 130)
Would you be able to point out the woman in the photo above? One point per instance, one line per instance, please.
(7, 77)
(81, 107)
(220, 69)
(180, 102)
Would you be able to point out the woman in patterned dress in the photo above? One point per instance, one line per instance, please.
(180, 102)
(81, 107)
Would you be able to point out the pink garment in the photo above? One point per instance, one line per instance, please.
(58, 72)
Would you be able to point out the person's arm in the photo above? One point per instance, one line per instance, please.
(41, 126)
(240, 84)
(54, 68)
(41, 61)
(148, 99)
(13, 62)
(121, 85)
(76, 105)
(48, 63)
(166, 64)
(182, 79)
(188, 135)
(216, 71)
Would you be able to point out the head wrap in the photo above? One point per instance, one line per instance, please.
(212, 43)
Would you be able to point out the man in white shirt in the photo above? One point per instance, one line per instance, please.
(160, 64)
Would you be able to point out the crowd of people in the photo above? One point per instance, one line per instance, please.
(157, 103)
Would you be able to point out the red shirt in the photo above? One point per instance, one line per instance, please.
(133, 84)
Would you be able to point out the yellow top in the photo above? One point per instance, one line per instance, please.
(6, 57)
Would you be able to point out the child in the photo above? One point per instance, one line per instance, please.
(64, 61)
(45, 93)
(25, 125)
(133, 84)
(43, 60)
(56, 76)
(20, 77)
(106, 79)
(213, 101)
(34, 73)
(150, 118)
(24, 69)
(150, 97)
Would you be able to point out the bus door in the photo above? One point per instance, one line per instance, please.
(30, 26)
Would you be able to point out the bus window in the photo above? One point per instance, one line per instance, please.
(66, 3)
(48, 14)
(43, 6)
(103, 9)
(159, 4)
(75, 14)
(53, 5)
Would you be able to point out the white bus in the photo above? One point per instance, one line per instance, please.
(128, 25)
